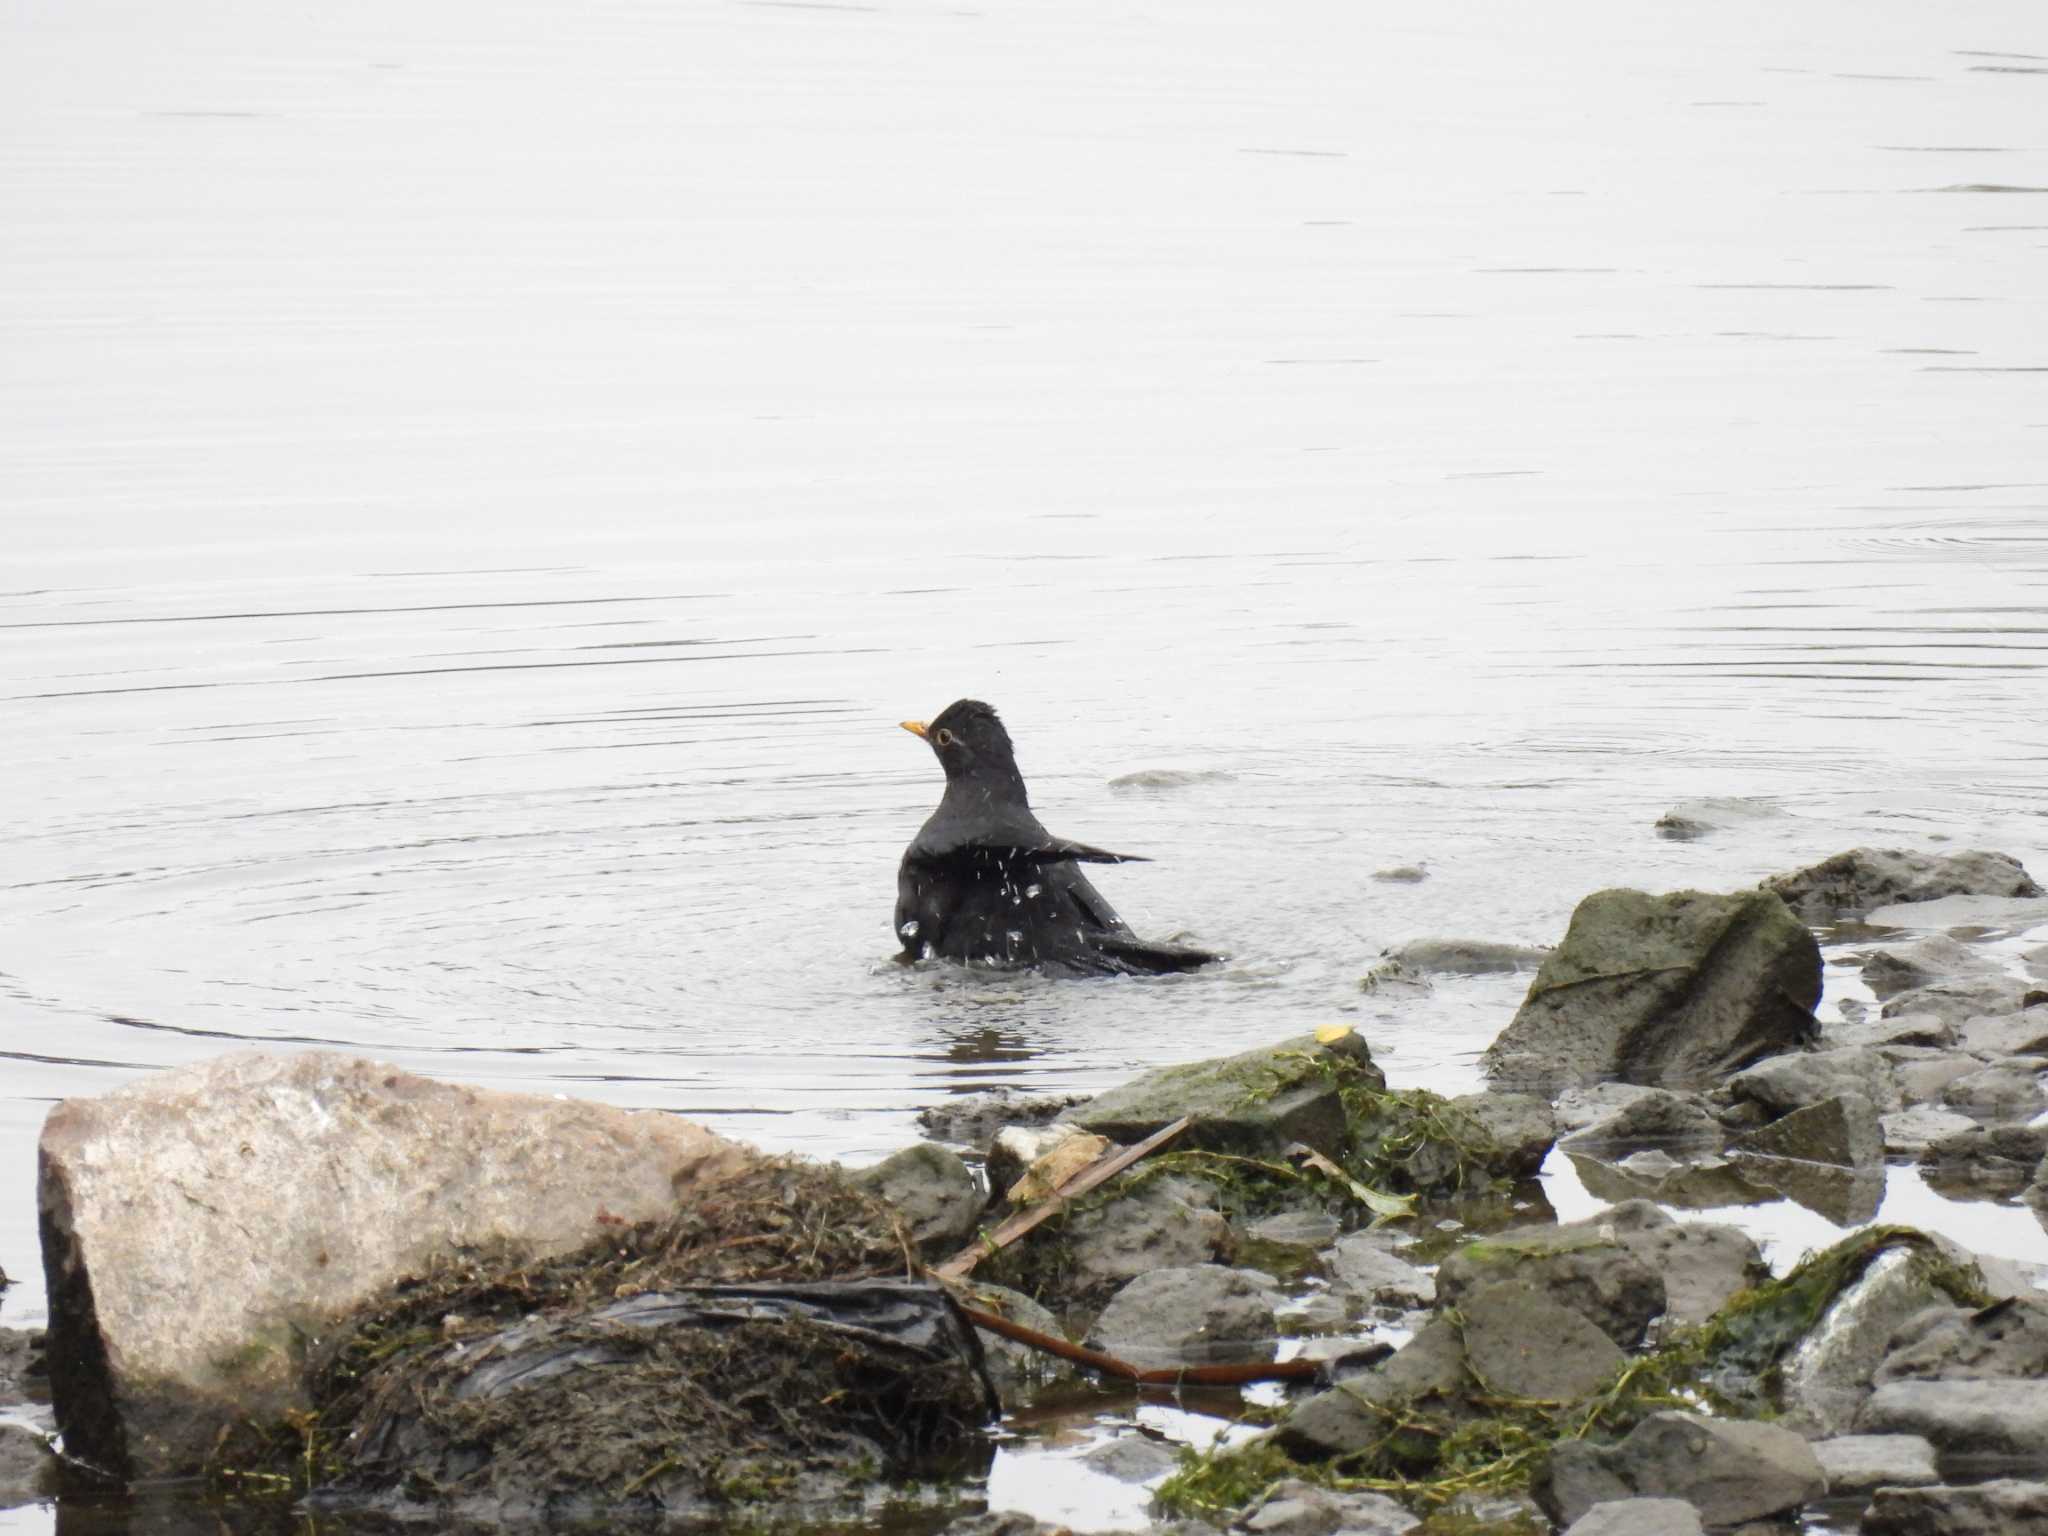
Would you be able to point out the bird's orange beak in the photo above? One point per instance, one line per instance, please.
(915, 727)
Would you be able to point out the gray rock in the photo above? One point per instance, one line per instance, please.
(1520, 1126)
(1131, 1459)
(1981, 1163)
(1429, 1368)
(1639, 1517)
(1012, 1364)
(1842, 1131)
(2007, 1338)
(1958, 1000)
(1164, 1223)
(1730, 1471)
(1896, 968)
(18, 1349)
(28, 1472)
(1200, 1314)
(270, 1194)
(1785, 1083)
(938, 1198)
(1520, 1343)
(1865, 879)
(2003, 1508)
(1975, 1425)
(1392, 980)
(2009, 1034)
(1467, 957)
(1258, 1101)
(1296, 1508)
(1578, 1108)
(1875, 1030)
(1703, 1263)
(1580, 1266)
(1401, 874)
(2011, 1090)
(1826, 1379)
(1860, 1463)
(972, 1119)
(1361, 1266)
(1912, 1131)
(1676, 990)
(1924, 1073)
(1656, 1117)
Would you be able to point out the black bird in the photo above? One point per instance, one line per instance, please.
(984, 882)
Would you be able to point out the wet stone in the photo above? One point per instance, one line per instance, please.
(1163, 1223)
(2012, 1034)
(1520, 1126)
(1197, 1315)
(1827, 1378)
(1912, 1131)
(938, 1198)
(2006, 1339)
(1703, 1263)
(1673, 990)
(1520, 1342)
(1860, 1463)
(1974, 1425)
(974, 1119)
(1013, 1365)
(2005, 1507)
(1730, 1471)
(1467, 957)
(1296, 1508)
(1582, 1267)
(1785, 1083)
(1899, 968)
(1361, 1266)
(27, 1469)
(1676, 1123)
(1258, 1101)
(1863, 880)
(2009, 1091)
(1639, 1517)
(1956, 1002)
(1980, 1162)
(1842, 1131)
(1131, 1458)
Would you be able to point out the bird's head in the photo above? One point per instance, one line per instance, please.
(970, 741)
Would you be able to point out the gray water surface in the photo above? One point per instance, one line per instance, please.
(481, 483)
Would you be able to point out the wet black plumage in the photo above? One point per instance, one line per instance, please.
(983, 882)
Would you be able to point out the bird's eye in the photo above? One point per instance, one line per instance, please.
(944, 737)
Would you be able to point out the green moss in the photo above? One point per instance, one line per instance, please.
(1431, 1450)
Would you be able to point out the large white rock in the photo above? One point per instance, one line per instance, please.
(202, 1227)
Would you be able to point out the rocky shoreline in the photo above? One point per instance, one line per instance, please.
(403, 1298)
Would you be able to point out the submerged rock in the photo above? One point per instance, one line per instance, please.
(1793, 1081)
(1584, 1267)
(1975, 1425)
(1860, 1463)
(1467, 957)
(1200, 1314)
(269, 1195)
(1979, 1163)
(1843, 1131)
(28, 1470)
(1675, 990)
(1897, 968)
(2006, 1507)
(1864, 879)
(1729, 1471)
(1639, 1517)
(1690, 819)
(1678, 1123)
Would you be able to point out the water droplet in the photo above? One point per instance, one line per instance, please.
(909, 929)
